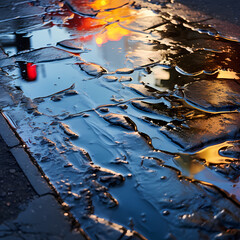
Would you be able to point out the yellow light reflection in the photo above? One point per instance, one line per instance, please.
(99, 40)
(194, 163)
(211, 154)
(106, 25)
(107, 4)
(189, 164)
(227, 75)
(113, 31)
(103, 3)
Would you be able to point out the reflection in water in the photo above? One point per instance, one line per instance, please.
(211, 155)
(194, 163)
(103, 5)
(228, 75)
(113, 141)
(105, 26)
(189, 164)
(113, 32)
(31, 70)
(28, 70)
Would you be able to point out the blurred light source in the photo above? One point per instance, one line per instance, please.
(31, 72)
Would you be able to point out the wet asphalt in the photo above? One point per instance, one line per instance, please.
(221, 9)
(29, 207)
(27, 211)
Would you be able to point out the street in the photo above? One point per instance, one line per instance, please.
(128, 112)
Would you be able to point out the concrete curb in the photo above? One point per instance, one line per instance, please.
(7, 134)
(31, 172)
(38, 183)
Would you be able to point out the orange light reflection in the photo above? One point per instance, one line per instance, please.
(106, 22)
(227, 75)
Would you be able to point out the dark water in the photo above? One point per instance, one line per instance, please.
(133, 115)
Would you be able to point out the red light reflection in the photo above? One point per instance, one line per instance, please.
(31, 70)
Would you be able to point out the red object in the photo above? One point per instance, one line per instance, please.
(31, 72)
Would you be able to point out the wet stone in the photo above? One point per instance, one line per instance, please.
(29, 104)
(104, 110)
(93, 69)
(125, 79)
(120, 120)
(41, 55)
(159, 108)
(68, 165)
(113, 230)
(230, 171)
(68, 131)
(119, 161)
(219, 127)
(143, 214)
(76, 196)
(145, 90)
(124, 70)
(123, 106)
(38, 100)
(57, 98)
(45, 159)
(214, 95)
(48, 142)
(71, 93)
(72, 44)
(87, 198)
(110, 78)
(165, 212)
(36, 113)
(197, 62)
(112, 180)
(85, 155)
(19, 19)
(114, 99)
(54, 123)
(105, 197)
(2, 53)
(232, 150)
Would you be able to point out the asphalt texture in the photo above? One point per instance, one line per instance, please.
(221, 9)
(16, 191)
(221, 14)
(29, 208)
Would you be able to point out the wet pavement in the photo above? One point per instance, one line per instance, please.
(29, 208)
(223, 10)
(131, 109)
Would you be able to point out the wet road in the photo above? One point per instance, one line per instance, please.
(225, 10)
(131, 111)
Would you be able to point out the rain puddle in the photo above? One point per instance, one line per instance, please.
(132, 114)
